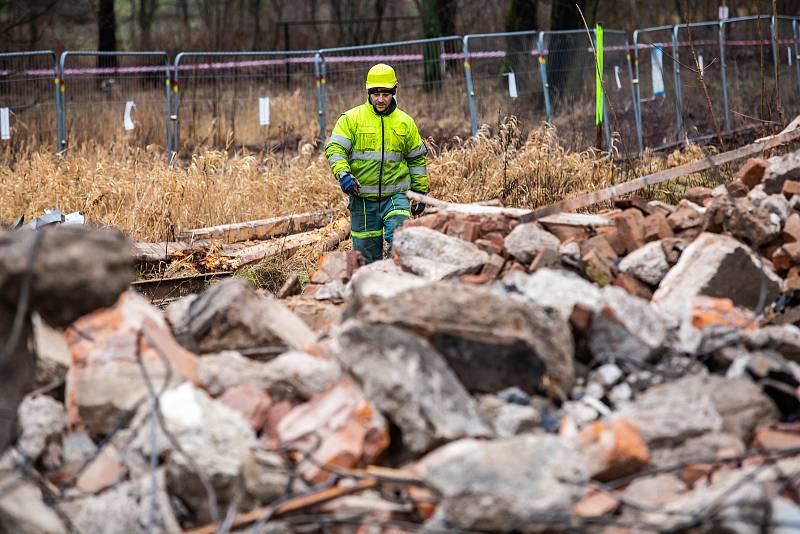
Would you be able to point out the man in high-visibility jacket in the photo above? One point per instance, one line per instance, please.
(377, 154)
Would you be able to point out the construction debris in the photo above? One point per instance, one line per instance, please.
(635, 369)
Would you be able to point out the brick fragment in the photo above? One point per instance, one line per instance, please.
(698, 195)
(752, 172)
(737, 189)
(599, 269)
(611, 234)
(616, 449)
(791, 188)
(630, 226)
(565, 232)
(600, 244)
(633, 286)
(545, 258)
(656, 227)
(791, 229)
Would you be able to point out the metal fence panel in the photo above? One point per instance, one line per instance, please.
(431, 85)
(697, 113)
(247, 98)
(27, 92)
(115, 96)
(655, 88)
(750, 65)
(786, 51)
(618, 89)
(568, 69)
(504, 78)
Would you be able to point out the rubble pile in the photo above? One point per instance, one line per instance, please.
(636, 369)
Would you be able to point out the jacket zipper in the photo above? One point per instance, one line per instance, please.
(380, 174)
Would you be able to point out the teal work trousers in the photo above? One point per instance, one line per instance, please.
(372, 221)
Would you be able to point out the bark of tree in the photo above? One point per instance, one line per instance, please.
(521, 16)
(565, 70)
(438, 19)
(146, 16)
(106, 32)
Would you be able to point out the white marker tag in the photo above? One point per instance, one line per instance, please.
(724, 12)
(128, 120)
(263, 111)
(657, 70)
(789, 54)
(616, 76)
(5, 124)
(512, 85)
(702, 67)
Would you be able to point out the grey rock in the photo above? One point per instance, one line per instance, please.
(411, 383)
(785, 515)
(620, 393)
(785, 339)
(232, 316)
(579, 412)
(705, 446)
(292, 372)
(42, 420)
(780, 169)
(669, 414)
(527, 240)
(571, 250)
(716, 266)
(777, 204)
(491, 340)
(52, 354)
(508, 419)
(647, 263)
(265, 475)
(627, 328)
(367, 282)
(556, 290)
(655, 491)
(22, 508)
(751, 223)
(607, 374)
(502, 485)
(436, 256)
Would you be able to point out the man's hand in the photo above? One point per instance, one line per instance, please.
(349, 184)
(417, 207)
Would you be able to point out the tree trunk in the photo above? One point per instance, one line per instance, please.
(147, 11)
(438, 19)
(521, 16)
(106, 33)
(568, 52)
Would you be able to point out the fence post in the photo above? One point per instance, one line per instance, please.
(175, 117)
(724, 71)
(473, 114)
(676, 68)
(637, 95)
(543, 72)
(168, 114)
(796, 35)
(62, 129)
(319, 80)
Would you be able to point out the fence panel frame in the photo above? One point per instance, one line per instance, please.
(175, 80)
(62, 83)
(52, 55)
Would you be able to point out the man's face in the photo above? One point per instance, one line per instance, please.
(381, 100)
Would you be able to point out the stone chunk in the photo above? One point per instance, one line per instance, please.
(687, 215)
(52, 354)
(231, 315)
(647, 263)
(527, 240)
(436, 256)
(779, 170)
(498, 486)
(492, 340)
(791, 229)
(251, 402)
(556, 290)
(630, 227)
(41, 421)
(22, 508)
(717, 266)
(411, 383)
(698, 195)
(656, 227)
(339, 428)
(751, 223)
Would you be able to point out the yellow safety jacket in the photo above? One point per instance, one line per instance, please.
(385, 153)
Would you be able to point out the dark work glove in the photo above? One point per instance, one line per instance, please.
(349, 184)
(417, 207)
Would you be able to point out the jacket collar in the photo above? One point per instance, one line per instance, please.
(389, 110)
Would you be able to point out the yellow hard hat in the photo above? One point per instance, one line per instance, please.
(381, 75)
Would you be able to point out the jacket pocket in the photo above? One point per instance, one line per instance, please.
(367, 139)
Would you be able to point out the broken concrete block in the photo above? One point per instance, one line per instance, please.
(338, 428)
(436, 256)
(529, 239)
(633, 286)
(508, 419)
(752, 172)
(647, 263)
(266, 475)
(778, 205)
(42, 419)
(499, 485)
(22, 508)
(556, 290)
(294, 371)
(105, 471)
(751, 223)
(492, 340)
(319, 315)
(105, 380)
(626, 328)
(231, 315)
(784, 339)
(337, 266)
(599, 269)
(52, 353)
(717, 266)
(779, 170)
(409, 382)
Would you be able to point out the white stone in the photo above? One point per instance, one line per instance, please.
(647, 263)
(436, 256)
(528, 239)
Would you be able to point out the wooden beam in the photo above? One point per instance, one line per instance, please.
(577, 219)
(517, 213)
(588, 199)
(154, 252)
(262, 228)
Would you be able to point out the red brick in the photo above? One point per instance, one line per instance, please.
(581, 318)
(710, 311)
(780, 436)
(251, 402)
(656, 227)
(616, 449)
(596, 503)
(752, 172)
(600, 244)
(737, 189)
(633, 286)
(792, 279)
(685, 217)
(493, 267)
(479, 279)
(611, 234)
(630, 225)
(599, 269)
(104, 471)
(545, 258)
(698, 195)
(791, 230)
(565, 232)
(692, 473)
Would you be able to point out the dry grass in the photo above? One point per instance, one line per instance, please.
(134, 190)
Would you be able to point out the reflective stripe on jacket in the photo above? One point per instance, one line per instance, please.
(383, 152)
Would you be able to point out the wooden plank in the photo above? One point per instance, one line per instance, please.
(577, 219)
(261, 229)
(708, 162)
(517, 213)
(286, 244)
(157, 251)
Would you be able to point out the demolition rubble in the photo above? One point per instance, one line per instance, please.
(635, 369)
